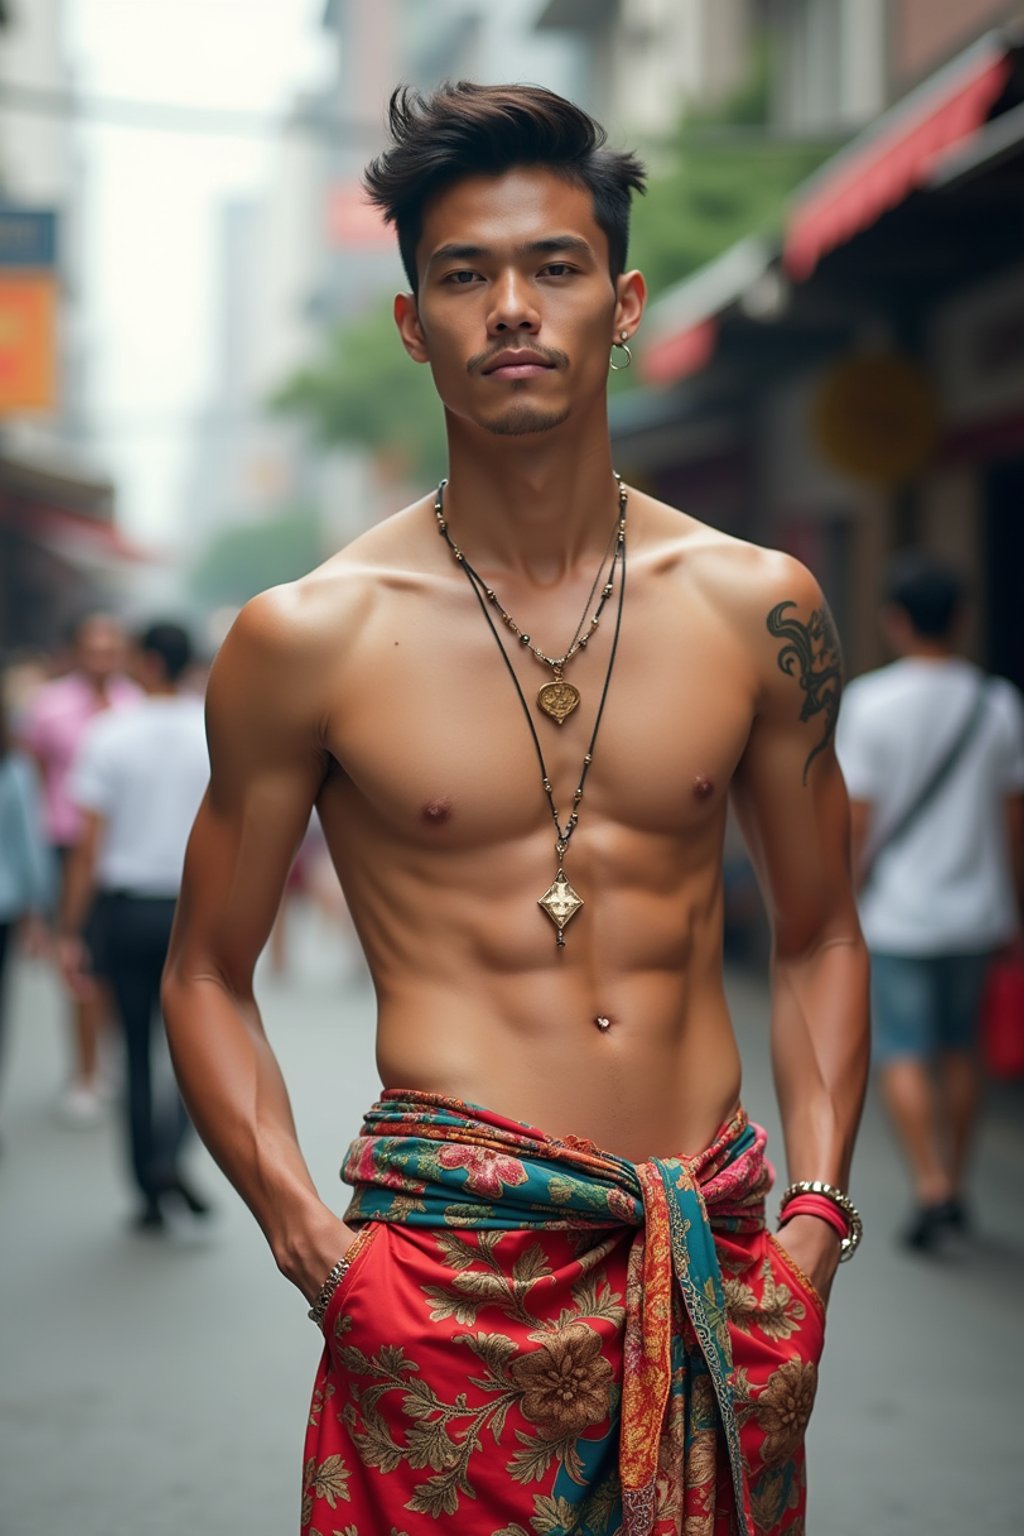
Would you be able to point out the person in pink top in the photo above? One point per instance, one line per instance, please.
(52, 728)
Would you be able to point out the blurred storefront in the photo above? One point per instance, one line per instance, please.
(858, 384)
(60, 551)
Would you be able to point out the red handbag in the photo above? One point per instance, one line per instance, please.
(1002, 1018)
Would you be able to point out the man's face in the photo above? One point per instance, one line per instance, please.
(100, 649)
(516, 310)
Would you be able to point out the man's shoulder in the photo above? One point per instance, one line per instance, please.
(54, 699)
(106, 730)
(318, 610)
(744, 582)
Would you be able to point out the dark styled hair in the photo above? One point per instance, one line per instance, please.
(930, 592)
(468, 130)
(171, 644)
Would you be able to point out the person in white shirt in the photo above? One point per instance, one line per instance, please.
(933, 754)
(138, 780)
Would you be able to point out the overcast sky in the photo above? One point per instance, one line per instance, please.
(149, 204)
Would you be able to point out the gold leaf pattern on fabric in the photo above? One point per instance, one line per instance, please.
(553, 1516)
(495, 1350)
(781, 1311)
(438, 1496)
(455, 1251)
(740, 1304)
(784, 1406)
(427, 1444)
(330, 1479)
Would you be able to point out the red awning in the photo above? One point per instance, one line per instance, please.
(883, 165)
(677, 355)
(681, 329)
(79, 540)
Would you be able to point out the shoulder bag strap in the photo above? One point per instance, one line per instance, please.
(935, 781)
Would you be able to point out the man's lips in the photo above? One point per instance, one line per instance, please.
(517, 365)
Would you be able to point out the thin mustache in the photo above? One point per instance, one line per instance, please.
(549, 354)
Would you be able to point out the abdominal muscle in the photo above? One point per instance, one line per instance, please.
(475, 1002)
(658, 1081)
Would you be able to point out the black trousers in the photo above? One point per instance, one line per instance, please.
(133, 933)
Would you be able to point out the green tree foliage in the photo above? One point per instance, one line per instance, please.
(249, 557)
(718, 187)
(364, 389)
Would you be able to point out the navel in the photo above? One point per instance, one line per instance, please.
(436, 812)
(603, 1021)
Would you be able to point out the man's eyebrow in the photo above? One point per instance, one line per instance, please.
(550, 246)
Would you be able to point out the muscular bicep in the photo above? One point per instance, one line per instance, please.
(266, 768)
(788, 792)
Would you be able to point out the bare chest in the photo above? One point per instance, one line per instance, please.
(438, 743)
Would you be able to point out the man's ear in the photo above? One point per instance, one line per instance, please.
(630, 298)
(407, 318)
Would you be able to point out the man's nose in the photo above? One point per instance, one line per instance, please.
(513, 307)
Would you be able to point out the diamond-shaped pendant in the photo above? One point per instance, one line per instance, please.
(560, 902)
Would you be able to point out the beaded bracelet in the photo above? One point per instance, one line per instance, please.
(849, 1244)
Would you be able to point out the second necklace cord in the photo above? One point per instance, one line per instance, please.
(560, 902)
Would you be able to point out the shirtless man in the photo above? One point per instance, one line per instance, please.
(534, 1330)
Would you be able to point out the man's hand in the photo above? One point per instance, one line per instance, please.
(313, 1254)
(75, 965)
(33, 936)
(814, 1247)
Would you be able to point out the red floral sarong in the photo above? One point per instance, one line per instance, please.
(535, 1337)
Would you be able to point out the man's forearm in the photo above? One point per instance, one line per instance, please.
(78, 889)
(233, 1088)
(820, 1048)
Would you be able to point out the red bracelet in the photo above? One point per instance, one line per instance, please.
(817, 1205)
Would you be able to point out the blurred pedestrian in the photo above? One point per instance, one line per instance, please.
(933, 753)
(26, 883)
(138, 781)
(52, 727)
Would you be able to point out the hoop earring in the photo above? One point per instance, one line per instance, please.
(620, 367)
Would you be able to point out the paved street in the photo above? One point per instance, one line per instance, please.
(158, 1387)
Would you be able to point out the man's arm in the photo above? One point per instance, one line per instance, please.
(1014, 805)
(791, 803)
(78, 891)
(860, 826)
(267, 764)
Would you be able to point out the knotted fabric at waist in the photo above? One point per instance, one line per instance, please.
(429, 1161)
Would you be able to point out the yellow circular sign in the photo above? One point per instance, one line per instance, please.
(876, 417)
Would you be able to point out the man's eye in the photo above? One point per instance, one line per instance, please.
(461, 279)
(557, 269)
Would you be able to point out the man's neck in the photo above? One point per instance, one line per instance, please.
(928, 650)
(98, 686)
(534, 505)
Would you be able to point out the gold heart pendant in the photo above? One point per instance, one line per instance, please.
(558, 700)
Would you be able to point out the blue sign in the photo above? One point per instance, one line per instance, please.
(28, 237)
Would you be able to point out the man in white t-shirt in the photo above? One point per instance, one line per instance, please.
(933, 754)
(138, 780)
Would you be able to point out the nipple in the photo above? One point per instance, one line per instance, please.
(436, 812)
(702, 787)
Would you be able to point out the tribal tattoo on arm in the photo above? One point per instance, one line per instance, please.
(811, 654)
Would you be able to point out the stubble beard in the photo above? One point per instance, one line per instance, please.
(523, 419)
